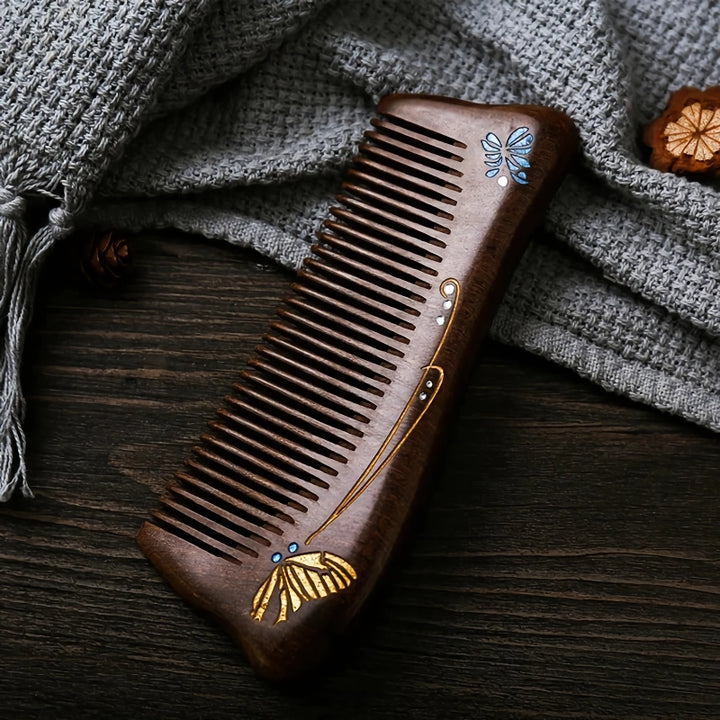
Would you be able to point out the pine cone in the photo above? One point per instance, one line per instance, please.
(105, 259)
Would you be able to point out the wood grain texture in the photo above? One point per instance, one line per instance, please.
(685, 138)
(567, 564)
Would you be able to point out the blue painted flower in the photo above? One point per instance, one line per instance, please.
(514, 153)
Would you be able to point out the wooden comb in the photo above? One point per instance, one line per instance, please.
(287, 512)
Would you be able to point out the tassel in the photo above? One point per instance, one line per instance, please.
(20, 264)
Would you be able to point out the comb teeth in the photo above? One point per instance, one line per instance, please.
(314, 385)
(342, 278)
(419, 135)
(342, 389)
(363, 329)
(335, 360)
(269, 407)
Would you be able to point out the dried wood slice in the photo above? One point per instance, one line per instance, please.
(685, 139)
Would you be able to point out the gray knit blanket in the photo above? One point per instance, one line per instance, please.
(234, 120)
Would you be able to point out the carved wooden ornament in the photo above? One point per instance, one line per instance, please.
(685, 139)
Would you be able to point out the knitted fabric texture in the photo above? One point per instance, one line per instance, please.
(235, 121)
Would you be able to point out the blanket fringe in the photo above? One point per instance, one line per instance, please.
(20, 264)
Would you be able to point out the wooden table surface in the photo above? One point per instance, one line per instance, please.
(566, 565)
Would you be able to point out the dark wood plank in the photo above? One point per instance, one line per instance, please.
(567, 564)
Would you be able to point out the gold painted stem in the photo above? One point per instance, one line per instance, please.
(371, 472)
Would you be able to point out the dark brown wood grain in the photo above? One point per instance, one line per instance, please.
(566, 565)
(290, 507)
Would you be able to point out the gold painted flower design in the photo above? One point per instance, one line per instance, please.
(696, 133)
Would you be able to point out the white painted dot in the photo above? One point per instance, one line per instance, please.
(440, 320)
(502, 181)
(429, 384)
(423, 396)
(447, 304)
(448, 288)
